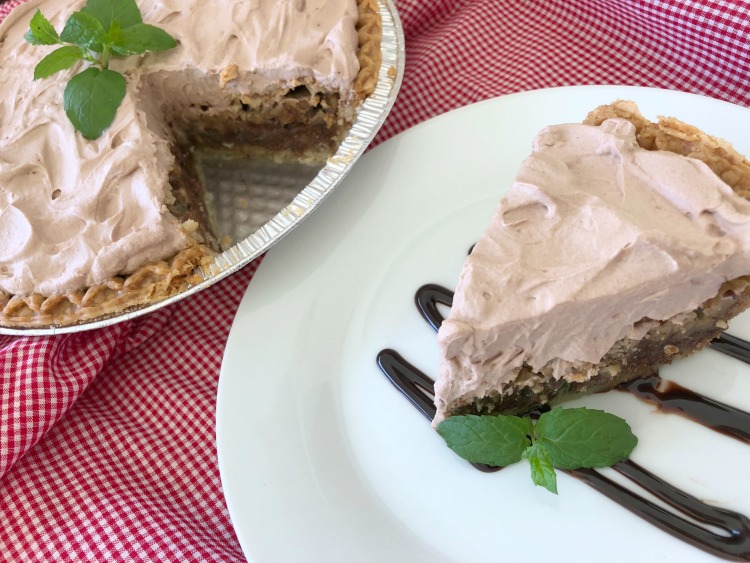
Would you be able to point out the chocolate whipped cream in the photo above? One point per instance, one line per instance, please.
(75, 212)
(595, 235)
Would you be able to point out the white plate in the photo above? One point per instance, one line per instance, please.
(322, 459)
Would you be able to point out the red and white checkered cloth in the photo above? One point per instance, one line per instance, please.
(107, 448)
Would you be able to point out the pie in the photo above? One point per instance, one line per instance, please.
(621, 246)
(93, 227)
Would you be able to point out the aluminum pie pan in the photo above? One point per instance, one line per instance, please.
(280, 185)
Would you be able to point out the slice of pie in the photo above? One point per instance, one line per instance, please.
(90, 227)
(621, 246)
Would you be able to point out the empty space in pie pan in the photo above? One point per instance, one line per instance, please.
(255, 201)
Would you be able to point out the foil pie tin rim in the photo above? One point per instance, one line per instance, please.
(370, 117)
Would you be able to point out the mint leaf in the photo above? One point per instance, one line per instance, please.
(542, 472)
(492, 440)
(140, 38)
(91, 100)
(41, 31)
(84, 30)
(584, 438)
(115, 33)
(57, 60)
(126, 12)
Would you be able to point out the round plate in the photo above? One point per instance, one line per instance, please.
(322, 459)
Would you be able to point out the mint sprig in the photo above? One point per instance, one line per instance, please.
(101, 30)
(561, 438)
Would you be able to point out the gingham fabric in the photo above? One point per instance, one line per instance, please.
(107, 447)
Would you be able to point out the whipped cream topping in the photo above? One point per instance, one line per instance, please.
(594, 235)
(75, 212)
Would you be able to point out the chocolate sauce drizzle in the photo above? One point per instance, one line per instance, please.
(668, 396)
(413, 383)
(732, 346)
(732, 543)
